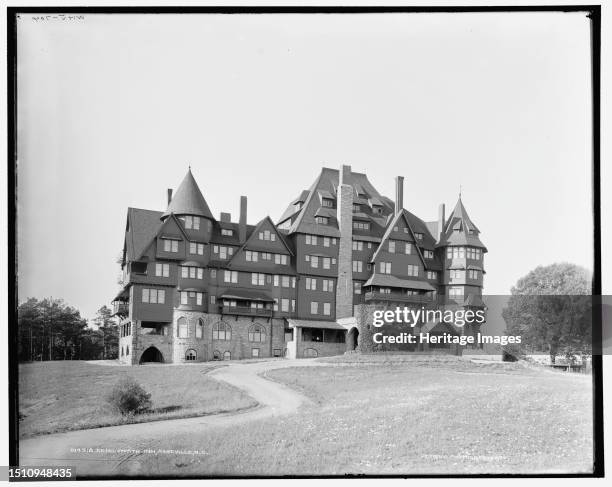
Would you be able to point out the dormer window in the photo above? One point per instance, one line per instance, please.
(192, 222)
(377, 210)
(328, 202)
(322, 220)
(227, 232)
(361, 225)
(267, 235)
(428, 254)
(170, 245)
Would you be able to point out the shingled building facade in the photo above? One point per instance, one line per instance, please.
(199, 288)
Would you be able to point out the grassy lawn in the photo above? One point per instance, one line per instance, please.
(59, 396)
(405, 415)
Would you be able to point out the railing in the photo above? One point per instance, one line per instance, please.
(121, 308)
(405, 298)
(245, 310)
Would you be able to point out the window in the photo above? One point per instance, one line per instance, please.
(357, 287)
(333, 240)
(458, 252)
(457, 274)
(227, 355)
(196, 248)
(267, 235)
(122, 351)
(251, 256)
(311, 240)
(170, 245)
(280, 259)
(192, 222)
(216, 355)
(455, 292)
(392, 246)
(266, 256)
(325, 241)
(328, 203)
(293, 305)
(258, 279)
(473, 253)
(395, 229)
(357, 266)
(284, 305)
(314, 261)
(473, 274)
(182, 328)
(230, 276)
(255, 352)
(190, 272)
(361, 226)
(385, 267)
(328, 285)
(385, 290)
(432, 275)
(186, 295)
(223, 251)
(221, 331)
(127, 350)
(406, 230)
(428, 254)
(199, 328)
(327, 309)
(356, 208)
(322, 220)
(257, 333)
(162, 270)
(418, 236)
(413, 270)
(285, 281)
(184, 298)
(153, 296)
(227, 232)
(449, 253)
(357, 245)
(311, 284)
(314, 307)
(213, 299)
(326, 262)
(191, 354)
(408, 248)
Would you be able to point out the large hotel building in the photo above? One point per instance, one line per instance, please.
(199, 288)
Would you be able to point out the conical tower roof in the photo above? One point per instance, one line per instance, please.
(459, 229)
(188, 200)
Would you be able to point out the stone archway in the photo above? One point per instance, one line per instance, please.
(151, 354)
(352, 339)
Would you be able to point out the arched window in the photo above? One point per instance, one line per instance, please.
(199, 328)
(182, 328)
(222, 331)
(122, 351)
(227, 355)
(257, 333)
(216, 355)
(127, 350)
(191, 354)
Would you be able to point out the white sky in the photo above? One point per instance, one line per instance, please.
(113, 108)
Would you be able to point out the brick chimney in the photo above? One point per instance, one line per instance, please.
(169, 195)
(399, 194)
(440, 221)
(344, 287)
(242, 225)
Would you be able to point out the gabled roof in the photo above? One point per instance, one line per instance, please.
(327, 183)
(457, 229)
(161, 226)
(143, 226)
(188, 200)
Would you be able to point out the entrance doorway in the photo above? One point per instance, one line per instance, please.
(151, 354)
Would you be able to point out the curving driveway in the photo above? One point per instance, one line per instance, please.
(104, 450)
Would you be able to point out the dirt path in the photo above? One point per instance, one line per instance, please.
(101, 451)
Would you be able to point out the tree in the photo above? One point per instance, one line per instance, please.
(550, 308)
(106, 333)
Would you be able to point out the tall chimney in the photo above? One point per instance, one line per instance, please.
(169, 195)
(242, 224)
(440, 221)
(344, 213)
(399, 194)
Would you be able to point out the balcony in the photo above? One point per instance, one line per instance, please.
(245, 311)
(121, 308)
(398, 297)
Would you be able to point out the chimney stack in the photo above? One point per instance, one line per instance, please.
(243, 219)
(441, 221)
(169, 195)
(225, 217)
(344, 212)
(399, 194)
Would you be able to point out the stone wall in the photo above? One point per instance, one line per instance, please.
(323, 349)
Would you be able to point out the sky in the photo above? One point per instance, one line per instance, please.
(112, 109)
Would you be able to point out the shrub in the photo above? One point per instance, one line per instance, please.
(128, 397)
